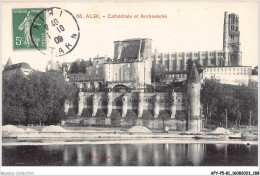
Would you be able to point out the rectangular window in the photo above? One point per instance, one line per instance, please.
(96, 71)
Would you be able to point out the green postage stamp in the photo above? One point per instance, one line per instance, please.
(22, 23)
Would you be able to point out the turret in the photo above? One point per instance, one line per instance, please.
(193, 100)
(8, 63)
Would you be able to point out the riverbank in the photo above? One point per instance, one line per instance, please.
(134, 134)
(135, 141)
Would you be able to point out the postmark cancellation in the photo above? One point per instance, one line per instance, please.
(53, 31)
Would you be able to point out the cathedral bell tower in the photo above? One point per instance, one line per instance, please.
(231, 40)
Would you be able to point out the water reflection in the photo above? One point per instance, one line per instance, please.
(173, 156)
(196, 153)
(93, 155)
(139, 155)
(80, 155)
(66, 155)
(108, 157)
(132, 155)
(155, 155)
(123, 155)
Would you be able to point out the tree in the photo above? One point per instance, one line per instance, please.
(210, 92)
(159, 72)
(248, 103)
(36, 99)
(255, 70)
(74, 67)
(13, 97)
(239, 101)
(52, 96)
(82, 67)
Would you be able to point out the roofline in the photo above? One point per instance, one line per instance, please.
(189, 52)
(225, 66)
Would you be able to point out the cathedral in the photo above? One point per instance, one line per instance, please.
(229, 56)
(132, 67)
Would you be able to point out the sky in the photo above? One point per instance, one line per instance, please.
(189, 26)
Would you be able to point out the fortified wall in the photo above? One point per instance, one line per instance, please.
(127, 109)
(178, 110)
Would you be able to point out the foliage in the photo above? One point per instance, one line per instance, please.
(238, 100)
(13, 98)
(74, 67)
(158, 72)
(38, 98)
(78, 66)
(255, 70)
(82, 67)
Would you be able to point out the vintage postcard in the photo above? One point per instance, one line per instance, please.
(129, 84)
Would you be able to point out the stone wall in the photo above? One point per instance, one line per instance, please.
(127, 109)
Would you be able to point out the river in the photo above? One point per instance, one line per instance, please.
(166, 154)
